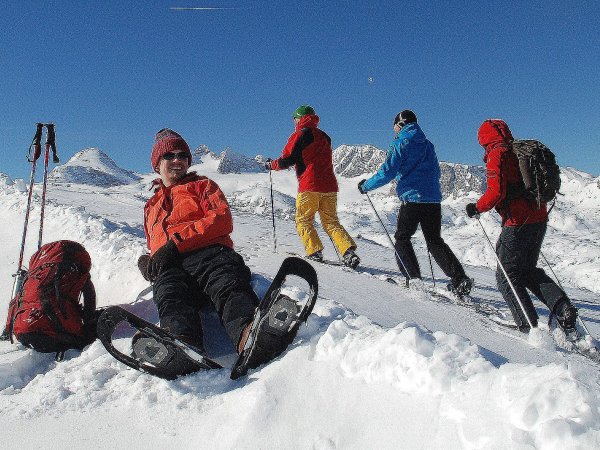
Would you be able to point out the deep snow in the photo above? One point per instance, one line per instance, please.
(377, 366)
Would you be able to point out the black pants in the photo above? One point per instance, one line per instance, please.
(518, 249)
(216, 274)
(429, 216)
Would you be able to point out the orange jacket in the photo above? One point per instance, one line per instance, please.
(193, 213)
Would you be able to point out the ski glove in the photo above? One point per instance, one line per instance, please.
(472, 210)
(143, 264)
(268, 164)
(164, 258)
(360, 186)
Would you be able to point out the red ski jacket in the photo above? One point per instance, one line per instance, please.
(504, 178)
(309, 149)
(193, 213)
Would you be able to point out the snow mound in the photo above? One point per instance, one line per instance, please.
(257, 200)
(540, 407)
(93, 167)
(407, 356)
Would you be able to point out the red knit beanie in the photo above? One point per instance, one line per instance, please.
(165, 141)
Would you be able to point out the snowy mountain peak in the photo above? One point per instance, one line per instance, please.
(354, 160)
(94, 167)
(229, 161)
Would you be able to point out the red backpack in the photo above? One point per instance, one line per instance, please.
(46, 314)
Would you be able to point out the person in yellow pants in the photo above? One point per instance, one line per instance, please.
(307, 206)
(309, 150)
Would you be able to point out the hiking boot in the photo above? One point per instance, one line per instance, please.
(351, 259)
(267, 335)
(566, 315)
(462, 287)
(316, 256)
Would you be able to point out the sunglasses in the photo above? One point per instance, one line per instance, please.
(170, 156)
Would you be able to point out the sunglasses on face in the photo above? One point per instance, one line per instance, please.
(170, 156)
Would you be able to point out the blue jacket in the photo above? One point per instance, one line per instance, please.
(411, 159)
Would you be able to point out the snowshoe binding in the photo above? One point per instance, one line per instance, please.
(277, 318)
(155, 350)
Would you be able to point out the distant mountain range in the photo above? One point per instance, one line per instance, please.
(93, 167)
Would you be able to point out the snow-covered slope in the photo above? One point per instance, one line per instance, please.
(377, 366)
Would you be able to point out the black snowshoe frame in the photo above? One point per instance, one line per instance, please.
(185, 359)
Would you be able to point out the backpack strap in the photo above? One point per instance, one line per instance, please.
(13, 307)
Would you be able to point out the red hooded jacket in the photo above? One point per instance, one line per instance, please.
(504, 178)
(309, 149)
(193, 213)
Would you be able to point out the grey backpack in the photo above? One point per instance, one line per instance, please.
(540, 173)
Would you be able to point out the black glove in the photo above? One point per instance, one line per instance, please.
(268, 164)
(143, 265)
(360, 186)
(164, 258)
(472, 210)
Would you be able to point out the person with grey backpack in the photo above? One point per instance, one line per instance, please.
(512, 190)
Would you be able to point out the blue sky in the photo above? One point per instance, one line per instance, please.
(110, 74)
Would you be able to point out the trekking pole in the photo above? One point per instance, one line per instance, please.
(337, 252)
(50, 144)
(273, 213)
(36, 143)
(406, 274)
(512, 287)
(551, 270)
(430, 265)
(560, 285)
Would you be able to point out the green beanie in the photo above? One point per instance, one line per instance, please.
(303, 110)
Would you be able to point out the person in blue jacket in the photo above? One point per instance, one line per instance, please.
(412, 161)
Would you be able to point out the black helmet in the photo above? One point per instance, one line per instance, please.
(404, 117)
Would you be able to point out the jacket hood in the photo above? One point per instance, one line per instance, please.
(308, 121)
(413, 132)
(494, 131)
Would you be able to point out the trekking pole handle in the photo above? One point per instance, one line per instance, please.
(36, 143)
(512, 287)
(51, 141)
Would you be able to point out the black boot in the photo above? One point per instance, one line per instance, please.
(566, 315)
(462, 287)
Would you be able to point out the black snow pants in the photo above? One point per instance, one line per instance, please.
(216, 274)
(429, 216)
(518, 249)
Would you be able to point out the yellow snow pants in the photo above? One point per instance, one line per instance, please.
(307, 205)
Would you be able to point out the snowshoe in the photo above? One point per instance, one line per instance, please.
(155, 350)
(277, 318)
